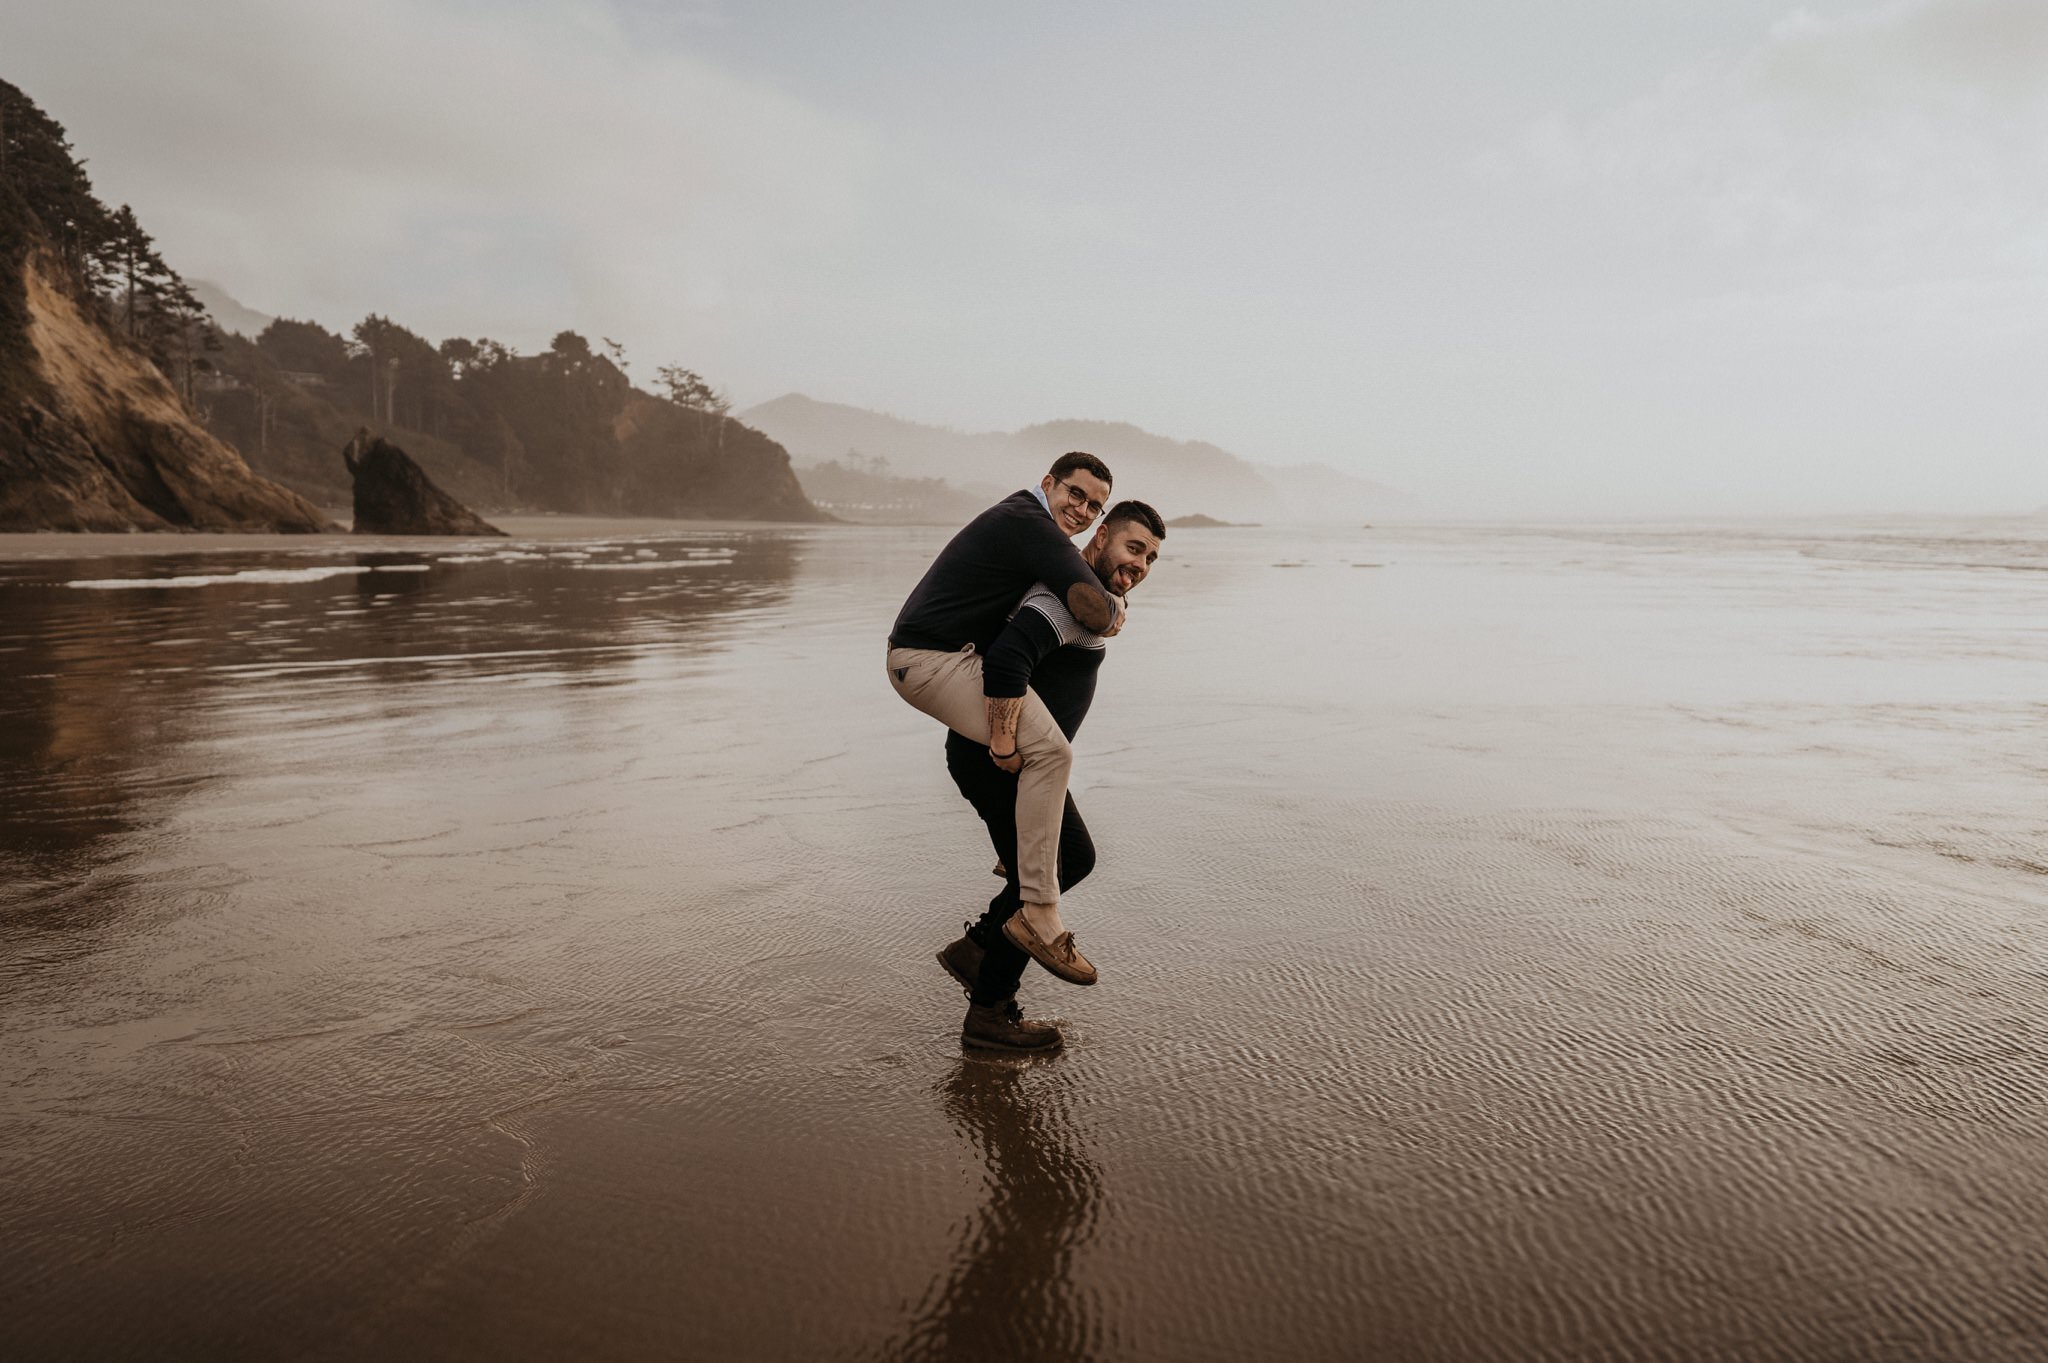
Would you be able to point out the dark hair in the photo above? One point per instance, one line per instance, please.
(1080, 459)
(1139, 512)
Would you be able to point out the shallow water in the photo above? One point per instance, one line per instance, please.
(1587, 942)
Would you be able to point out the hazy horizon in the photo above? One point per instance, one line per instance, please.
(1591, 261)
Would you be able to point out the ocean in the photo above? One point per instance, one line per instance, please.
(1574, 941)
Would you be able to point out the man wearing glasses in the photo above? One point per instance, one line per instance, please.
(948, 623)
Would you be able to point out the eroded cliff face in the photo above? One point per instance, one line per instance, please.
(96, 439)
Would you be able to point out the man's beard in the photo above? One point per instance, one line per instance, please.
(1104, 573)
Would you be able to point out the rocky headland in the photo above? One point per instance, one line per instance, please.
(92, 434)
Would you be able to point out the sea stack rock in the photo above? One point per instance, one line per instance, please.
(394, 496)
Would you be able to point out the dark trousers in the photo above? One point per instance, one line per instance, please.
(993, 793)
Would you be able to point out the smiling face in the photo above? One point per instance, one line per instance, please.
(1076, 499)
(1121, 554)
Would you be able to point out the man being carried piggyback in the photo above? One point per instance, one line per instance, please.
(947, 625)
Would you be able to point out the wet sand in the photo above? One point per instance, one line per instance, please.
(1560, 943)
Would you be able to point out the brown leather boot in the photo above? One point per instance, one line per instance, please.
(1003, 1027)
(962, 960)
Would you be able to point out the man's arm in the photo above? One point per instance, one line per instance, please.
(1055, 561)
(1095, 606)
(1005, 675)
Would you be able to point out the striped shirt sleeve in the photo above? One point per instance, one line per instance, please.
(1042, 599)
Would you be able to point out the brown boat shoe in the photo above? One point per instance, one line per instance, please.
(962, 960)
(1060, 956)
(1003, 1027)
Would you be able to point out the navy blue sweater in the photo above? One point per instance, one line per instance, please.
(1045, 648)
(1029, 652)
(967, 594)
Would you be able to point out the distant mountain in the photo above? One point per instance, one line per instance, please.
(853, 490)
(227, 313)
(814, 432)
(1189, 475)
(1317, 492)
(1178, 476)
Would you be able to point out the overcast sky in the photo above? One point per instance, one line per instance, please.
(1608, 256)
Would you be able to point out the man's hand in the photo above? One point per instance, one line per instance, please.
(1002, 731)
(1116, 626)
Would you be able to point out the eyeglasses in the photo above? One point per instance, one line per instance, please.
(1074, 494)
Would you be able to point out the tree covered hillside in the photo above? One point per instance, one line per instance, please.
(563, 430)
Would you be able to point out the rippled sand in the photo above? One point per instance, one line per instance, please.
(1574, 943)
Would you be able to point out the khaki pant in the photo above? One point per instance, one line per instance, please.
(947, 686)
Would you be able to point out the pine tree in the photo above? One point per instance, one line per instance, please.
(106, 256)
(37, 163)
(186, 337)
(692, 392)
(146, 294)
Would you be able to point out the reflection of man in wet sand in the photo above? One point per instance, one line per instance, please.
(1043, 651)
(952, 617)
(1012, 1287)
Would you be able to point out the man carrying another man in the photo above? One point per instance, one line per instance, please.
(936, 647)
(1045, 650)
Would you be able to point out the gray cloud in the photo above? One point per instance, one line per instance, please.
(1889, 137)
(1591, 257)
(482, 170)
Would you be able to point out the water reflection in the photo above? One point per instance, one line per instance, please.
(395, 575)
(111, 669)
(1011, 1290)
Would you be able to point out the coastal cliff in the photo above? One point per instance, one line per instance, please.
(93, 436)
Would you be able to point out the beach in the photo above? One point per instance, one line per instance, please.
(1565, 941)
